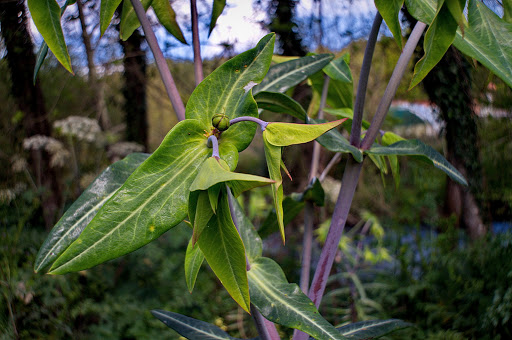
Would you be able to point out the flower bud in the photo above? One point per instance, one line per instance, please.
(220, 122)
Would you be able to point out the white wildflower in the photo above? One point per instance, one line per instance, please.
(36, 142)
(18, 164)
(82, 128)
(6, 196)
(59, 154)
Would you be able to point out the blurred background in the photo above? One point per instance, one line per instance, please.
(425, 250)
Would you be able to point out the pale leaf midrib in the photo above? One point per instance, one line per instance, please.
(188, 326)
(259, 280)
(74, 259)
(366, 327)
(288, 74)
(74, 226)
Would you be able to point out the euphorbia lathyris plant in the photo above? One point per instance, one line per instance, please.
(191, 177)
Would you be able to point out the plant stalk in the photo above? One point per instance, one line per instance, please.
(263, 124)
(351, 177)
(160, 61)
(393, 83)
(355, 134)
(198, 62)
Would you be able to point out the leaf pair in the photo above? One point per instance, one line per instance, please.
(277, 135)
(214, 230)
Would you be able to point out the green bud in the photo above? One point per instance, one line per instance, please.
(220, 121)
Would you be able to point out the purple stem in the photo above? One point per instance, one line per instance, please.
(355, 135)
(198, 62)
(213, 143)
(263, 124)
(393, 83)
(351, 178)
(161, 64)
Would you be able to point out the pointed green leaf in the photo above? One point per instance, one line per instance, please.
(333, 141)
(152, 200)
(314, 193)
(372, 329)
(346, 113)
(389, 10)
(228, 90)
(284, 303)
(487, 38)
(225, 253)
(218, 7)
(193, 260)
(379, 162)
(285, 134)
(280, 103)
(213, 195)
(252, 241)
(438, 38)
(456, 8)
(338, 69)
(203, 214)
(167, 18)
(214, 171)
(285, 75)
(387, 139)
(339, 95)
(291, 207)
(191, 328)
(107, 9)
(425, 152)
(129, 20)
(46, 15)
(81, 212)
(273, 158)
(43, 49)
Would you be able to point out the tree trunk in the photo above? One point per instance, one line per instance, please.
(134, 90)
(95, 83)
(29, 98)
(448, 86)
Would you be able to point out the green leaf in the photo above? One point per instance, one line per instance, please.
(273, 158)
(152, 200)
(345, 113)
(193, 260)
(456, 8)
(228, 90)
(487, 38)
(438, 39)
(339, 95)
(43, 49)
(425, 152)
(379, 162)
(251, 239)
(213, 195)
(387, 139)
(46, 15)
(129, 20)
(199, 212)
(167, 18)
(225, 253)
(190, 328)
(280, 103)
(218, 7)
(284, 303)
(214, 171)
(41, 55)
(107, 9)
(338, 69)
(335, 142)
(314, 193)
(389, 10)
(285, 134)
(285, 75)
(81, 212)
(507, 11)
(291, 207)
(372, 329)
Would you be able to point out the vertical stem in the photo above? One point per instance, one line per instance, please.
(316, 146)
(161, 64)
(198, 63)
(355, 135)
(393, 83)
(266, 329)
